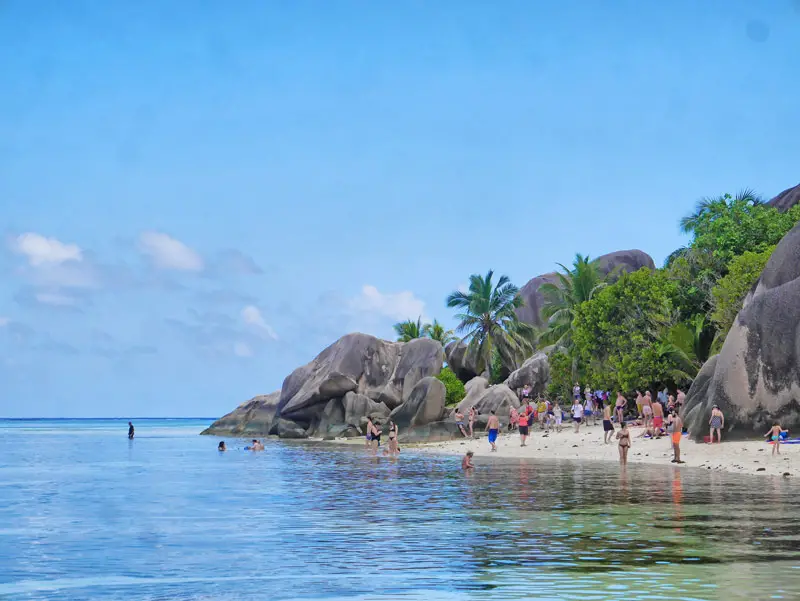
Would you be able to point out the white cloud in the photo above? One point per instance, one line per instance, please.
(168, 253)
(40, 250)
(398, 306)
(242, 349)
(55, 299)
(253, 318)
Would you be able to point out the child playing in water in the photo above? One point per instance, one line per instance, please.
(775, 434)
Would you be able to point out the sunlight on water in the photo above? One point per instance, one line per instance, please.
(88, 515)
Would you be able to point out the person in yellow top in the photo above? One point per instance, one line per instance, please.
(541, 408)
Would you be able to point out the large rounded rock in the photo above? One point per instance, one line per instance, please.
(755, 379)
(610, 264)
(358, 407)
(786, 199)
(474, 391)
(384, 371)
(534, 371)
(462, 361)
(251, 418)
(424, 405)
(498, 398)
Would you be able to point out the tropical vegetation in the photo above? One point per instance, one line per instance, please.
(409, 330)
(454, 387)
(637, 330)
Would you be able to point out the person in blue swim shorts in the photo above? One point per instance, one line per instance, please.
(493, 426)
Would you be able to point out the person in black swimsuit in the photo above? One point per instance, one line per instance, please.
(130, 431)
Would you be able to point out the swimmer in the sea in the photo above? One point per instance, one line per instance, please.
(221, 446)
(466, 462)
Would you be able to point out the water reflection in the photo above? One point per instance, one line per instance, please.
(169, 518)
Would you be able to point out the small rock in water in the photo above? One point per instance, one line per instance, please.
(786, 474)
(761, 469)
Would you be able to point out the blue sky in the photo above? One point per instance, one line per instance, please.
(197, 199)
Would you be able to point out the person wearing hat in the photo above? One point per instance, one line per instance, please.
(717, 422)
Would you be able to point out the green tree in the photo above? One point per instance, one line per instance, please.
(616, 334)
(728, 226)
(730, 291)
(436, 331)
(454, 387)
(561, 376)
(409, 330)
(489, 320)
(576, 286)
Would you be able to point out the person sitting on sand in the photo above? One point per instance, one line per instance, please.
(466, 462)
(577, 414)
(608, 427)
(221, 446)
(523, 429)
(716, 423)
(774, 434)
(493, 427)
(676, 424)
(624, 438)
(459, 417)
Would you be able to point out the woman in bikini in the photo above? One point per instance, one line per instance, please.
(624, 438)
(716, 423)
(472, 414)
(368, 438)
(393, 448)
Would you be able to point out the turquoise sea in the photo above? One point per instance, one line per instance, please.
(86, 514)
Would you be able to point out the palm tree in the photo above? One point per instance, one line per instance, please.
(489, 320)
(409, 330)
(436, 331)
(576, 286)
(707, 206)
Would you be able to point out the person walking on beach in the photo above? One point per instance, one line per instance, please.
(466, 462)
(624, 438)
(677, 433)
(541, 408)
(523, 429)
(558, 415)
(576, 391)
(716, 423)
(130, 431)
(513, 419)
(639, 404)
(472, 414)
(775, 435)
(493, 426)
(588, 412)
(608, 427)
(577, 414)
(460, 422)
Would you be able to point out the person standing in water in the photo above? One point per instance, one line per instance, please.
(130, 431)
(493, 427)
(221, 447)
(393, 447)
(608, 427)
(677, 433)
(716, 423)
(466, 462)
(624, 438)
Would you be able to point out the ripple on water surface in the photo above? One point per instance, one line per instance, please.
(88, 515)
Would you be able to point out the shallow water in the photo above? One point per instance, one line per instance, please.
(87, 515)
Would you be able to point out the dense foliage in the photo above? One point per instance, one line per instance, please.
(561, 376)
(489, 321)
(409, 330)
(729, 293)
(454, 386)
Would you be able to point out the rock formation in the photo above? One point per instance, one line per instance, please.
(251, 418)
(786, 199)
(755, 379)
(623, 260)
(357, 376)
(463, 363)
(474, 391)
(535, 371)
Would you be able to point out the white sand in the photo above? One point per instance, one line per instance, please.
(746, 457)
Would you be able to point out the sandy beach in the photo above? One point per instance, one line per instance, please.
(738, 457)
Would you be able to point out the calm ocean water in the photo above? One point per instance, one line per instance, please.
(86, 514)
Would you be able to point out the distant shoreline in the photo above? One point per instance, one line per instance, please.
(87, 419)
